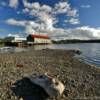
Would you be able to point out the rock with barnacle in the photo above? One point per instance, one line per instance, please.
(52, 86)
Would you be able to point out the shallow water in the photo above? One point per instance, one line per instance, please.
(11, 49)
(90, 51)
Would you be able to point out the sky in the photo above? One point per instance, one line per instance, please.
(60, 19)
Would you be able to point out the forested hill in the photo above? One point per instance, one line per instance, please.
(75, 41)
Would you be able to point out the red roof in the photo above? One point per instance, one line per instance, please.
(40, 36)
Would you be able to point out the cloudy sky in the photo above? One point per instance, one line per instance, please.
(60, 19)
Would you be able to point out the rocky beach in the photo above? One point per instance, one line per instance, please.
(82, 81)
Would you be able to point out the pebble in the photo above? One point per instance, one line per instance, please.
(34, 61)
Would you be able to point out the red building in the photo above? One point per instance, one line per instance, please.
(38, 39)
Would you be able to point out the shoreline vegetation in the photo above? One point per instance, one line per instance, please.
(75, 41)
(66, 41)
(82, 81)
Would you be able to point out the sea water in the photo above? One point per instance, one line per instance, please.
(90, 51)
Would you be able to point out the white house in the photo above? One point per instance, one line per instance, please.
(14, 38)
(14, 41)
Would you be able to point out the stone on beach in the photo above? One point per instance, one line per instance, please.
(20, 65)
(52, 86)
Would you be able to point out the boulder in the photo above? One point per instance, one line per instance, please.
(52, 86)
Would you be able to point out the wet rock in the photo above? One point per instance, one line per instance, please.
(78, 52)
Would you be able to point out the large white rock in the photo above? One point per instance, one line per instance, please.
(52, 86)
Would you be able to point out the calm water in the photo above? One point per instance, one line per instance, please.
(11, 49)
(90, 51)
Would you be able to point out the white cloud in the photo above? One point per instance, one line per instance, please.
(22, 23)
(41, 12)
(46, 15)
(47, 20)
(64, 7)
(85, 6)
(13, 3)
(73, 13)
(26, 10)
(3, 3)
(29, 30)
(73, 21)
(36, 6)
(32, 27)
(15, 22)
(14, 35)
(18, 12)
(46, 8)
(95, 31)
(31, 5)
(84, 33)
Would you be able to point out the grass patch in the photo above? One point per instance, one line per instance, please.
(2, 45)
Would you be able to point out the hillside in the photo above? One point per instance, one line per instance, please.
(75, 41)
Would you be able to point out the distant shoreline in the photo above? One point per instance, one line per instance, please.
(75, 41)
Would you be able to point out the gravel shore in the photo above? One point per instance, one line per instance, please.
(82, 81)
